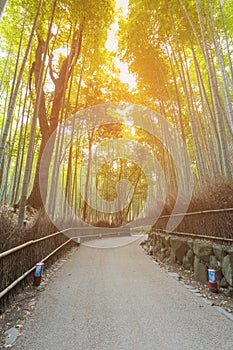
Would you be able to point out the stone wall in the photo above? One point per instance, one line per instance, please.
(195, 255)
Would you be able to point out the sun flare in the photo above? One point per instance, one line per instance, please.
(112, 45)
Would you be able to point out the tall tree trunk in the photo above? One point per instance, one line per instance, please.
(227, 92)
(87, 184)
(46, 128)
(227, 44)
(127, 210)
(6, 62)
(220, 114)
(17, 86)
(39, 108)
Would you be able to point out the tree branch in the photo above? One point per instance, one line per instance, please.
(51, 73)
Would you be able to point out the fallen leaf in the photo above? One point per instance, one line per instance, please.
(20, 326)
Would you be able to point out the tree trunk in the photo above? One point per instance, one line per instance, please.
(17, 86)
(47, 130)
(87, 187)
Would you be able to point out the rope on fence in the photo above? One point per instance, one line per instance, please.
(21, 246)
(31, 242)
(13, 284)
(195, 236)
(25, 274)
(198, 212)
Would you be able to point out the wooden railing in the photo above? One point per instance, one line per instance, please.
(215, 223)
(17, 263)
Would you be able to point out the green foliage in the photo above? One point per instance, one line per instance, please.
(175, 49)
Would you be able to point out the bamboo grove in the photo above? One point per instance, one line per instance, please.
(54, 63)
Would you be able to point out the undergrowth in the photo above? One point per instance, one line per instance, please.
(214, 196)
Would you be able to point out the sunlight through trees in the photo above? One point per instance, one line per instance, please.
(59, 57)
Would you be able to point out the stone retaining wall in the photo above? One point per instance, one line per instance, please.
(195, 255)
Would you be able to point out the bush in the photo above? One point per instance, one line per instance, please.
(8, 228)
(11, 235)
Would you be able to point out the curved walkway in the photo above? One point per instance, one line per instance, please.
(119, 299)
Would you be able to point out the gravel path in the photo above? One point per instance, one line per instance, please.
(119, 299)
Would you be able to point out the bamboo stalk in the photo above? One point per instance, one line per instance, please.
(12, 250)
(13, 284)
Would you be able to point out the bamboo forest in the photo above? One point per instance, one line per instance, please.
(112, 111)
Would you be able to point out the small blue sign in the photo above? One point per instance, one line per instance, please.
(211, 276)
